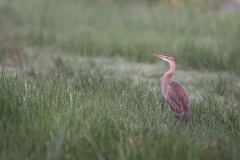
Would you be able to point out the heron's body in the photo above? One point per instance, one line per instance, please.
(174, 92)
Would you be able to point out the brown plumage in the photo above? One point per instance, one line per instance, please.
(174, 92)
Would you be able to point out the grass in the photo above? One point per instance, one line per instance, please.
(75, 97)
(198, 36)
(52, 118)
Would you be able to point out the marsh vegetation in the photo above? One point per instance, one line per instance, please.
(78, 82)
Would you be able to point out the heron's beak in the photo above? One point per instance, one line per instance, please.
(158, 56)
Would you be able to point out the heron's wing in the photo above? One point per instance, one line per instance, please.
(177, 98)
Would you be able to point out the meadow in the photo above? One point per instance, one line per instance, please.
(78, 82)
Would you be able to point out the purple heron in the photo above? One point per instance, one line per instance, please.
(174, 92)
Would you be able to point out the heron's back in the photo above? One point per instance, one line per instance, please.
(177, 99)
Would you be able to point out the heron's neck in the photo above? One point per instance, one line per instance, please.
(166, 78)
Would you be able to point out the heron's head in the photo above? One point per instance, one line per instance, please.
(165, 57)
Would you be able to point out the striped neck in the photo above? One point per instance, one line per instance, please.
(166, 78)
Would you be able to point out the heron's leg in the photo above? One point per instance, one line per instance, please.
(178, 117)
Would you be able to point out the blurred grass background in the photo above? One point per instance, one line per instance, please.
(200, 34)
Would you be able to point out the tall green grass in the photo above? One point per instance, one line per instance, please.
(68, 113)
(54, 117)
(199, 36)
